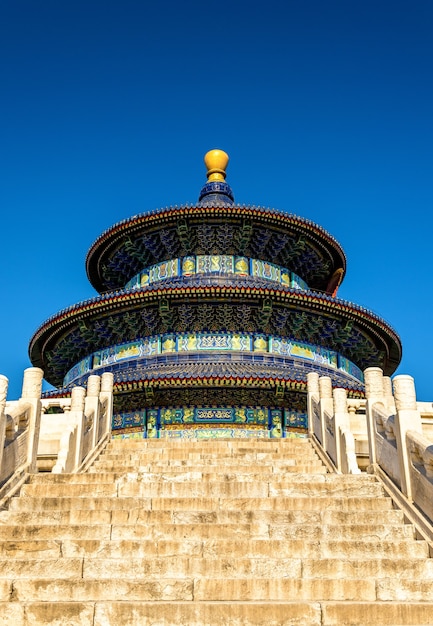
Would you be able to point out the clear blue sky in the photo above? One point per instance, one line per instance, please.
(325, 108)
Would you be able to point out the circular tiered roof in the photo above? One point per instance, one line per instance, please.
(260, 277)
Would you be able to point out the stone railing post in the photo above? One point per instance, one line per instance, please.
(326, 404)
(407, 418)
(77, 418)
(312, 391)
(373, 378)
(3, 395)
(31, 393)
(106, 398)
(341, 422)
(92, 404)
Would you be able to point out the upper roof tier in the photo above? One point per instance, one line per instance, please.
(215, 225)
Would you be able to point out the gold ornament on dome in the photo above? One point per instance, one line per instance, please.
(216, 162)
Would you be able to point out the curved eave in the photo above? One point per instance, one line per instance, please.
(138, 384)
(114, 239)
(58, 326)
(288, 384)
(211, 381)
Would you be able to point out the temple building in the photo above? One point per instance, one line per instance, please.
(210, 317)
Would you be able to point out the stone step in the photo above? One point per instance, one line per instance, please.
(156, 468)
(220, 446)
(282, 613)
(284, 454)
(223, 589)
(138, 515)
(94, 502)
(257, 530)
(179, 455)
(31, 548)
(176, 475)
(380, 567)
(212, 460)
(296, 486)
(389, 589)
(262, 471)
(47, 479)
(358, 532)
(158, 613)
(328, 548)
(130, 567)
(287, 532)
(215, 447)
(397, 613)
(48, 531)
(59, 490)
(210, 444)
(102, 544)
(188, 589)
(130, 487)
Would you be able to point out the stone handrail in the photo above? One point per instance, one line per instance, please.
(19, 431)
(329, 423)
(77, 433)
(66, 455)
(349, 464)
(89, 423)
(386, 442)
(420, 453)
(314, 418)
(400, 454)
(391, 413)
(331, 440)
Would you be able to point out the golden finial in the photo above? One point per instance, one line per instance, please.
(216, 162)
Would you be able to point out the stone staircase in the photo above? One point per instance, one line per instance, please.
(202, 533)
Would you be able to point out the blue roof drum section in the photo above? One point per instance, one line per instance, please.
(214, 309)
(220, 265)
(148, 350)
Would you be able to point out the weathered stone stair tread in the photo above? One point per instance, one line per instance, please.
(378, 613)
(226, 589)
(210, 468)
(177, 475)
(78, 515)
(277, 461)
(168, 588)
(234, 613)
(359, 532)
(71, 546)
(187, 503)
(179, 459)
(109, 478)
(167, 452)
(175, 457)
(130, 486)
(208, 444)
(92, 566)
